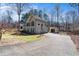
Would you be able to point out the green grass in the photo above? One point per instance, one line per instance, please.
(29, 38)
(26, 38)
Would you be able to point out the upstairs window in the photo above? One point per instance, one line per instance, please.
(38, 24)
(28, 24)
(32, 23)
(21, 27)
(41, 24)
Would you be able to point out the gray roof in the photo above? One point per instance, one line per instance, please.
(37, 18)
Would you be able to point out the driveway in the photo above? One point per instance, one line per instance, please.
(50, 45)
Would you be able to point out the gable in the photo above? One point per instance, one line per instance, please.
(35, 18)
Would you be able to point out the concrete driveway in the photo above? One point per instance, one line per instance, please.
(49, 45)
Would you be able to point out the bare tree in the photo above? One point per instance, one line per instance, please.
(9, 18)
(71, 15)
(75, 5)
(20, 8)
(67, 18)
(0, 29)
(57, 8)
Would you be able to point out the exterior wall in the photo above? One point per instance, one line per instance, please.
(39, 28)
(54, 28)
(30, 29)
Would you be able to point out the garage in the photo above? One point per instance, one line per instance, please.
(53, 29)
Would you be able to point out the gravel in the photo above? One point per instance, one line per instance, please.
(50, 45)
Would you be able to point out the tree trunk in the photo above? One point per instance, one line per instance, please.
(0, 34)
(18, 25)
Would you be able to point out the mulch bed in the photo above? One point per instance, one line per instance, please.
(75, 39)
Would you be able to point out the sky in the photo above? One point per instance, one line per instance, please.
(46, 7)
(50, 6)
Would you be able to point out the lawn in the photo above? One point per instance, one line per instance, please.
(27, 38)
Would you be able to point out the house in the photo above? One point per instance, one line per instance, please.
(34, 25)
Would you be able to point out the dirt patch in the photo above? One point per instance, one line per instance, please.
(75, 39)
(10, 42)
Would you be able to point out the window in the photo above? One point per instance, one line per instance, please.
(32, 23)
(41, 26)
(32, 30)
(28, 24)
(21, 27)
(38, 24)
